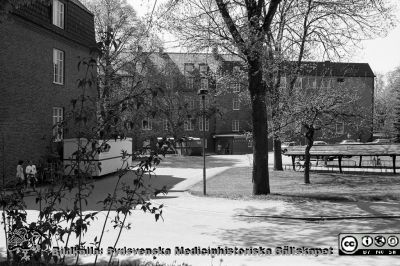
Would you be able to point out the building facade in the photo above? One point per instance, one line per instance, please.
(42, 45)
(356, 77)
(228, 126)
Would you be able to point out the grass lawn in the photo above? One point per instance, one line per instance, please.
(235, 183)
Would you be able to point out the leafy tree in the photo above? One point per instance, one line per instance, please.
(310, 110)
(122, 37)
(386, 103)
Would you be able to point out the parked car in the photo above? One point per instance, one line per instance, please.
(381, 141)
(320, 142)
(285, 145)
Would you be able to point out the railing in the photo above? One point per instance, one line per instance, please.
(345, 168)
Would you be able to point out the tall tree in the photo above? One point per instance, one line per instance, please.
(122, 39)
(241, 29)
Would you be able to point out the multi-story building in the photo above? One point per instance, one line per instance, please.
(229, 121)
(42, 45)
(357, 77)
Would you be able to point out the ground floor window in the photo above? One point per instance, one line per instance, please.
(58, 114)
(235, 125)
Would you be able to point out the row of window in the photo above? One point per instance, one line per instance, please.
(191, 103)
(188, 125)
(311, 82)
(190, 83)
(58, 18)
(189, 68)
(233, 87)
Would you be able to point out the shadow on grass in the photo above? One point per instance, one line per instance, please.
(267, 232)
(235, 183)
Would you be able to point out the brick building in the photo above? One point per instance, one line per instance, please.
(185, 74)
(224, 76)
(41, 47)
(357, 77)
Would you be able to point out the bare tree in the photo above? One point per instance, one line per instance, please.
(240, 28)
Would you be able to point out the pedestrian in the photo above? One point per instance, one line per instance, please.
(31, 174)
(20, 174)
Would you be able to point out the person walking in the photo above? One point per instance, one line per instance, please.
(31, 174)
(20, 174)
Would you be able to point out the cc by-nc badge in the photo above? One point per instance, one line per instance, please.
(348, 244)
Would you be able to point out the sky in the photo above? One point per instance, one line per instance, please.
(382, 54)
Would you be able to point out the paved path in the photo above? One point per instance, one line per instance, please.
(204, 222)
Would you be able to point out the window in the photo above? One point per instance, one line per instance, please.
(235, 125)
(298, 83)
(58, 14)
(340, 128)
(325, 82)
(236, 103)
(283, 82)
(188, 68)
(201, 124)
(203, 69)
(191, 103)
(57, 126)
(313, 82)
(189, 83)
(166, 125)
(188, 125)
(235, 87)
(206, 103)
(147, 124)
(204, 84)
(58, 62)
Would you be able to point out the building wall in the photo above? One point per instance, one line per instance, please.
(27, 91)
(356, 77)
(364, 86)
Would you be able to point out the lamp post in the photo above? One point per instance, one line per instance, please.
(203, 93)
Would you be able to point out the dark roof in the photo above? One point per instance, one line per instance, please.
(79, 22)
(79, 3)
(335, 69)
(308, 68)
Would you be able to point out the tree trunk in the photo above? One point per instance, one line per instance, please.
(259, 118)
(309, 144)
(277, 155)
